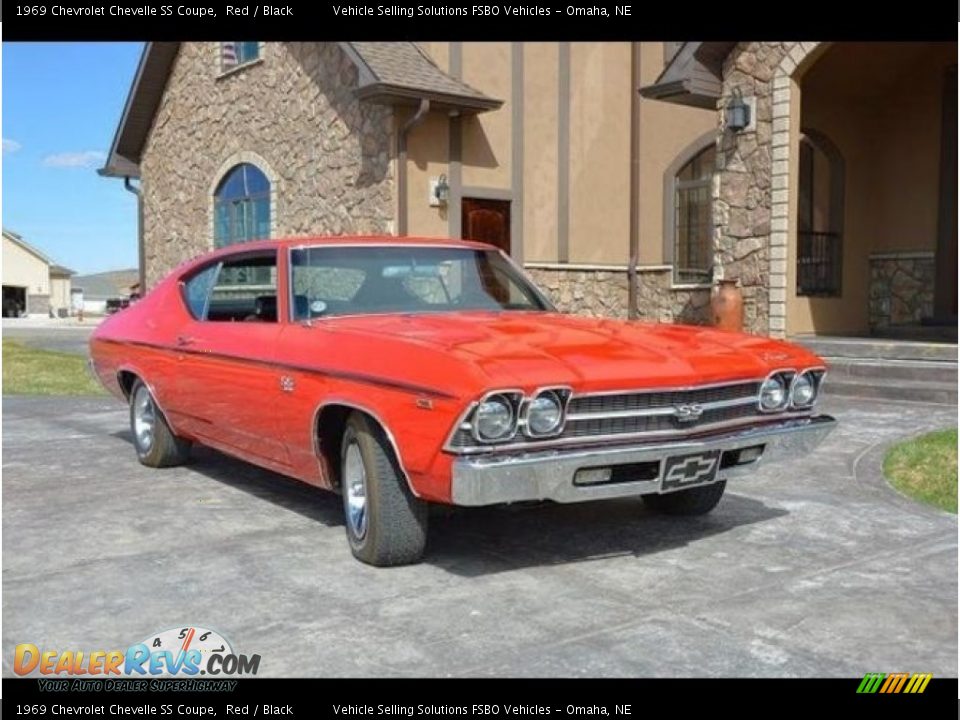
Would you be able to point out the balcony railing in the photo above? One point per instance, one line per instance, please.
(819, 264)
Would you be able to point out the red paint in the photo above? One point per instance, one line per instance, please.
(224, 387)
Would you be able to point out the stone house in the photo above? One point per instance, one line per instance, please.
(33, 284)
(625, 177)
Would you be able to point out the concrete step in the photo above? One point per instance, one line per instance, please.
(912, 390)
(842, 368)
(878, 349)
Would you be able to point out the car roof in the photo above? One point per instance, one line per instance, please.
(380, 240)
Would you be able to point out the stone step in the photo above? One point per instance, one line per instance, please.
(877, 349)
(899, 390)
(894, 370)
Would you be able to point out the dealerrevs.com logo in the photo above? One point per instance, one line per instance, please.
(184, 651)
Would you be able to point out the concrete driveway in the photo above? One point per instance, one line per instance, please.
(816, 568)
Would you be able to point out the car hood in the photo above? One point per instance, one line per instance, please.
(526, 349)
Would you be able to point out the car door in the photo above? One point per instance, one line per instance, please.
(228, 382)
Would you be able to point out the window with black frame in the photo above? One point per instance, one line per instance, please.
(693, 219)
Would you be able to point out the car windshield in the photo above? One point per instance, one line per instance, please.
(360, 280)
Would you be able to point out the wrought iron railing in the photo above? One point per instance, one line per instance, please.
(819, 264)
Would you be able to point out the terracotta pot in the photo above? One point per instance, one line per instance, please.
(726, 305)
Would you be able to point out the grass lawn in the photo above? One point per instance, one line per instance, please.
(29, 371)
(926, 469)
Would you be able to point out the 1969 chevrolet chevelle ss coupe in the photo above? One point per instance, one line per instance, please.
(407, 372)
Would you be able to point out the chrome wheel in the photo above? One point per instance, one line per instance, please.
(355, 487)
(144, 418)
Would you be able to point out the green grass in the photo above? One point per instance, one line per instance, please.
(925, 468)
(29, 371)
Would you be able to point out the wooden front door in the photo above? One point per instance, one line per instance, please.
(487, 221)
(945, 284)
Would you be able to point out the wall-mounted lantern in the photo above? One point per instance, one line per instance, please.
(737, 113)
(439, 191)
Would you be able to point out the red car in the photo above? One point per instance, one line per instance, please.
(407, 372)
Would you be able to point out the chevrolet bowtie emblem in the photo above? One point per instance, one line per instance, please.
(688, 412)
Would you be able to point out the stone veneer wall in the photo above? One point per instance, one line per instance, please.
(901, 288)
(292, 113)
(604, 293)
(38, 305)
(751, 188)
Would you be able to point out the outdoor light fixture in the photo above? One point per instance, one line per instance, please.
(442, 190)
(737, 113)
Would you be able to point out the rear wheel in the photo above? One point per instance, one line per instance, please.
(155, 443)
(695, 501)
(386, 524)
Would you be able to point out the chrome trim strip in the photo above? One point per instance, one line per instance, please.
(549, 475)
(660, 410)
(671, 388)
(362, 408)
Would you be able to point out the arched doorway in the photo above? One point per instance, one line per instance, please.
(872, 201)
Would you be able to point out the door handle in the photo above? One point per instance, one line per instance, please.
(184, 340)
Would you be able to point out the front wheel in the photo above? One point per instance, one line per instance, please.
(386, 524)
(695, 501)
(153, 439)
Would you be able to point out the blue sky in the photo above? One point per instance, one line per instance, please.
(61, 105)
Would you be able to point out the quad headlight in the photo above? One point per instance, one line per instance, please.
(773, 394)
(494, 419)
(805, 389)
(545, 414)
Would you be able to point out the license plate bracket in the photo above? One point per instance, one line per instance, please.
(682, 471)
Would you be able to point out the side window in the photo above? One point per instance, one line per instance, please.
(245, 290)
(196, 291)
(320, 286)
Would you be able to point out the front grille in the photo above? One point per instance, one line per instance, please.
(639, 412)
(654, 423)
(645, 400)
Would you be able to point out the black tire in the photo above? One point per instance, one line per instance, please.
(161, 448)
(695, 501)
(395, 528)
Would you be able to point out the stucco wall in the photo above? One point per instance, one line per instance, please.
(329, 155)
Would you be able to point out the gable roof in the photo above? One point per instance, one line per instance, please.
(55, 269)
(389, 72)
(106, 285)
(693, 76)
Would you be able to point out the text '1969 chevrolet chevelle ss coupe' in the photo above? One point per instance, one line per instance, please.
(404, 372)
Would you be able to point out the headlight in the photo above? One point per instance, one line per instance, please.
(773, 394)
(494, 419)
(804, 390)
(544, 414)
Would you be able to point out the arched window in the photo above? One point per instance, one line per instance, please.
(241, 206)
(693, 218)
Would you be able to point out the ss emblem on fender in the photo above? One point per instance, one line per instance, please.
(286, 383)
(688, 412)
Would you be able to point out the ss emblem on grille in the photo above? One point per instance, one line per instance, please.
(688, 412)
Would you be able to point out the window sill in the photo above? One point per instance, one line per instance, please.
(691, 286)
(239, 68)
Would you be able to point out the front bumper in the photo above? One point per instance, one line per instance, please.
(550, 474)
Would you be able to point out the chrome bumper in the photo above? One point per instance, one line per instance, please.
(549, 475)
